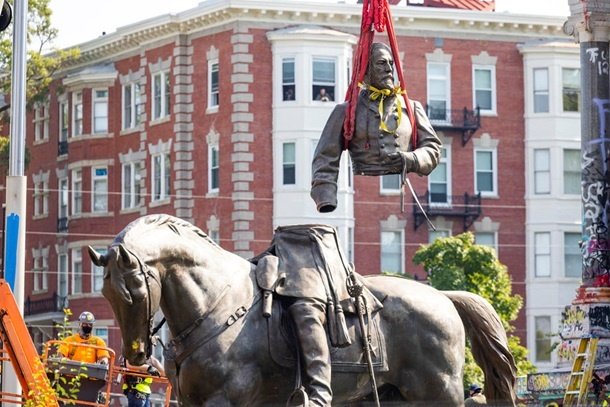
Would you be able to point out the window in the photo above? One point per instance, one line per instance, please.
(63, 198)
(350, 244)
(571, 172)
(77, 192)
(77, 114)
(214, 234)
(438, 91)
(486, 239)
(132, 105)
(41, 121)
(161, 176)
(288, 79)
(97, 274)
(213, 84)
(41, 268)
(572, 256)
(391, 251)
(160, 95)
(101, 332)
(62, 274)
(99, 181)
(390, 183)
(63, 121)
(484, 89)
(542, 171)
(41, 198)
(77, 271)
(570, 79)
(288, 164)
(130, 192)
(541, 90)
(485, 172)
(439, 180)
(214, 167)
(323, 81)
(437, 234)
(543, 339)
(542, 254)
(100, 111)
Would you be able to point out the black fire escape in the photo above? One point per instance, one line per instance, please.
(467, 206)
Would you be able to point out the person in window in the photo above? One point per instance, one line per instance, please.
(70, 347)
(138, 388)
(289, 94)
(323, 96)
(382, 134)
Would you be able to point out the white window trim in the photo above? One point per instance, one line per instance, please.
(63, 120)
(94, 178)
(561, 87)
(293, 59)
(283, 162)
(211, 148)
(76, 255)
(494, 156)
(75, 103)
(94, 101)
(537, 171)
(447, 79)
(548, 90)
(213, 107)
(447, 161)
(133, 181)
(73, 181)
(401, 231)
(162, 195)
(492, 68)
(63, 273)
(537, 253)
(60, 198)
(134, 116)
(389, 191)
(164, 108)
(321, 58)
(101, 250)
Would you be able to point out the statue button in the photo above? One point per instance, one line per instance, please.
(396, 143)
(382, 145)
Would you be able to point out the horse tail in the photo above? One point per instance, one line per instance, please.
(489, 345)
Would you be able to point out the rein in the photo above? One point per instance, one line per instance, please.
(147, 273)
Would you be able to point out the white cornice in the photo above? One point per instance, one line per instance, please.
(408, 20)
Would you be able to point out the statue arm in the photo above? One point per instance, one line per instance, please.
(425, 157)
(325, 165)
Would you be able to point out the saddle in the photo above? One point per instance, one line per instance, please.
(305, 261)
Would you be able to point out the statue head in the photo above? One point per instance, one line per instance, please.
(380, 71)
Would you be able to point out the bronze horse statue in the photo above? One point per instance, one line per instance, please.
(210, 300)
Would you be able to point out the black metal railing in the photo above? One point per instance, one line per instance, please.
(465, 206)
(464, 120)
(56, 303)
(62, 224)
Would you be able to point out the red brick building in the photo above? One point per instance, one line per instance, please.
(210, 115)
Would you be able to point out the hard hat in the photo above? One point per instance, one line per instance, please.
(86, 317)
(475, 387)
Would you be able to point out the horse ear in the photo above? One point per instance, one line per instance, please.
(125, 257)
(97, 258)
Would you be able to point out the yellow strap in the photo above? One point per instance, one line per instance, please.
(382, 94)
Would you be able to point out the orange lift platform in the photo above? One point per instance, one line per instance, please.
(52, 381)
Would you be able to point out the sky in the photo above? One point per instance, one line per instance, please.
(79, 21)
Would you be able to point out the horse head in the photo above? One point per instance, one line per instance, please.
(133, 289)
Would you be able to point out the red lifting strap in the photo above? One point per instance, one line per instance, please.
(376, 16)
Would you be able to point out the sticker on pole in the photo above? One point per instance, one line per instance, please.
(12, 240)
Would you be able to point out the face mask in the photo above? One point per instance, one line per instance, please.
(86, 329)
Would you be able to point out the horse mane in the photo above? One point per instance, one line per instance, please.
(134, 233)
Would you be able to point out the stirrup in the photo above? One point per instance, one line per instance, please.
(300, 391)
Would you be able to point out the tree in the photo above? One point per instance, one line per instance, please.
(456, 263)
(43, 62)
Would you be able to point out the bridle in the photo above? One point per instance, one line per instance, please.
(148, 275)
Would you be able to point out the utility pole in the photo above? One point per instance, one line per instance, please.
(16, 183)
